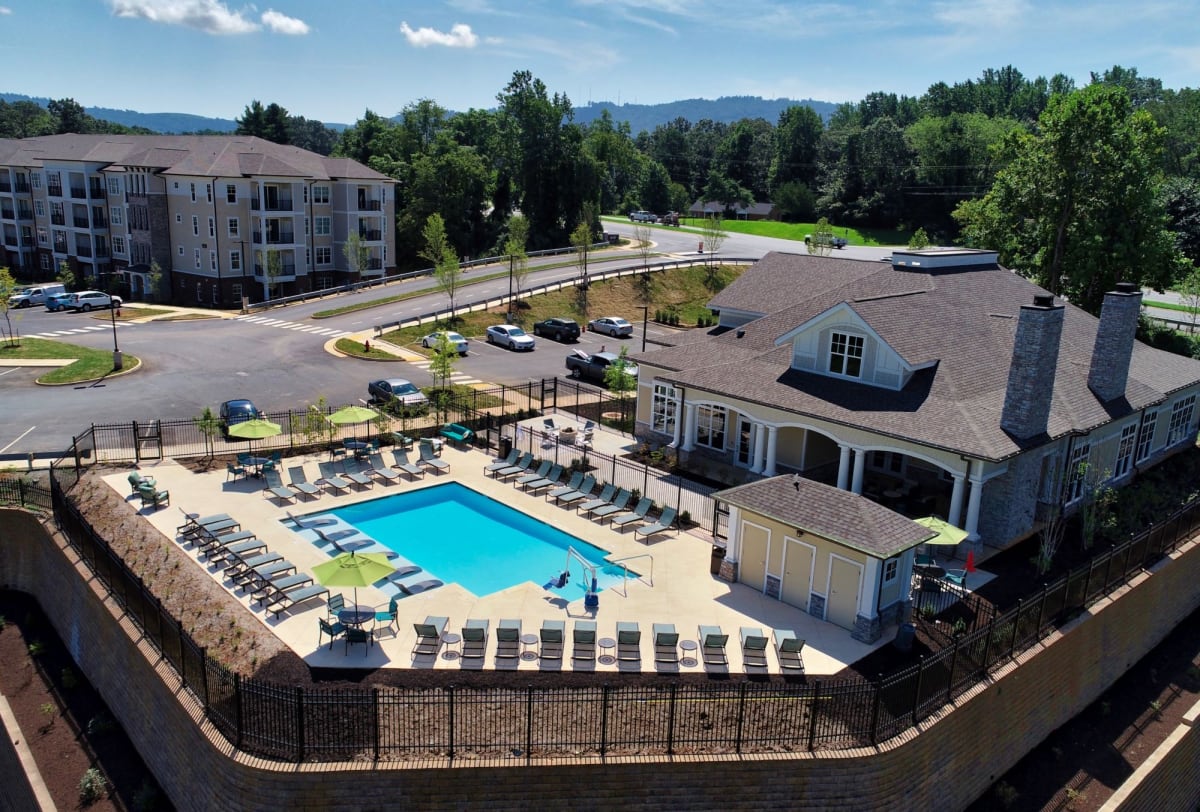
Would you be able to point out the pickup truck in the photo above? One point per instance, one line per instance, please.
(836, 242)
(643, 217)
(593, 367)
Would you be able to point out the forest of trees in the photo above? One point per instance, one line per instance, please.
(965, 162)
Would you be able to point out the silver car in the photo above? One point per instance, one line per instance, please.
(614, 326)
(397, 391)
(511, 336)
(430, 341)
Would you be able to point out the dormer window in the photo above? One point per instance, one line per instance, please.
(845, 355)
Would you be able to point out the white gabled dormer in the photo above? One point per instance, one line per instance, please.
(839, 344)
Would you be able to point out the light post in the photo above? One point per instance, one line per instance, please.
(511, 259)
(645, 321)
(112, 314)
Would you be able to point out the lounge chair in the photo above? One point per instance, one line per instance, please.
(295, 598)
(361, 479)
(712, 645)
(223, 554)
(193, 521)
(666, 643)
(404, 571)
(547, 481)
(429, 458)
(521, 467)
(233, 471)
(208, 540)
(305, 523)
(605, 498)
(583, 636)
(152, 496)
(511, 459)
(549, 429)
(508, 638)
(429, 635)
(334, 630)
(789, 649)
(330, 479)
(540, 473)
(585, 490)
(219, 523)
(754, 647)
(388, 618)
(419, 587)
(662, 525)
(638, 514)
(300, 484)
(629, 641)
(619, 503)
(380, 469)
(275, 489)
(402, 463)
(274, 589)
(253, 579)
(474, 639)
(353, 635)
(572, 485)
(239, 564)
(551, 638)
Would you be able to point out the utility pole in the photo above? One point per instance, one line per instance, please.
(645, 322)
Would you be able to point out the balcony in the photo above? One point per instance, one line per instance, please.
(287, 269)
(83, 250)
(60, 246)
(271, 205)
(54, 190)
(10, 240)
(58, 219)
(8, 214)
(23, 187)
(97, 193)
(370, 205)
(5, 186)
(369, 235)
(24, 214)
(280, 237)
(81, 222)
(374, 264)
(79, 192)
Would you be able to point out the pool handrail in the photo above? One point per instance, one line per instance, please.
(625, 567)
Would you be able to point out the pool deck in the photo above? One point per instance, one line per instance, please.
(682, 591)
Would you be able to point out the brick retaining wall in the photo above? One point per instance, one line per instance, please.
(945, 764)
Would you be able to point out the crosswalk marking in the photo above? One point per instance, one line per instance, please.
(299, 327)
(76, 330)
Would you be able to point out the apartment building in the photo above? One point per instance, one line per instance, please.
(225, 218)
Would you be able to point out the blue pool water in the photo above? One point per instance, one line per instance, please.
(460, 536)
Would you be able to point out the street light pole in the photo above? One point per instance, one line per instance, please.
(511, 258)
(112, 314)
(645, 321)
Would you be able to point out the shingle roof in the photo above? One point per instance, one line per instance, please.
(837, 515)
(960, 321)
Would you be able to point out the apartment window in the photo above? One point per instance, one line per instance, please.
(45, 262)
(1077, 469)
(1146, 433)
(324, 255)
(181, 250)
(178, 217)
(116, 215)
(664, 408)
(212, 260)
(305, 226)
(236, 287)
(36, 179)
(891, 568)
(230, 193)
(845, 355)
(307, 258)
(195, 226)
(118, 245)
(39, 208)
(1181, 419)
(304, 196)
(710, 427)
(197, 259)
(235, 260)
(212, 227)
(1125, 448)
(208, 197)
(234, 227)
(194, 200)
(321, 194)
(321, 227)
(114, 186)
(43, 237)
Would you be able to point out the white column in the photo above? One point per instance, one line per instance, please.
(860, 464)
(760, 448)
(678, 427)
(843, 467)
(689, 426)
(972, 525)
(872, 572)
(956, 499)
(772, 439)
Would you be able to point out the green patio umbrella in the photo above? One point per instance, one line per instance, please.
(256, 429)
(354, 570)
(352, 415)
(946, 532)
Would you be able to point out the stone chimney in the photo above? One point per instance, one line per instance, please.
(1114, 341)
(1031, 372)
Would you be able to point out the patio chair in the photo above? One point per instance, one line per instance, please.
(549, 480)
(605, 498)
(788, 647)
(956, 577)
(361, 479)
(521, 467)
(666, 643)
(419, 587)
(712, 645)
(330, 479)
(152, 496)
(618, 504)
(381, 469)
(334, 630)
(661, 526)
(275, 489)
(508, 638)
(300, 484)
(402, 463)
(234, 471)
(335, 604)
(572, 485)
(585, 490)
(551, 639)
(136, 480)
(540, 473)
(583, 637)
(549, 429)
(429, 635)
(388, 618)
(924, 560)
(474, 639)
(629, 641)
(639, 513)
(430, 459)
(354, 635)
(754, 647)
(295, 598)
(511, 459)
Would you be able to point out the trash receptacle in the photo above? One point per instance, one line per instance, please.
(718, 555)
(905, 636)
(505, 446)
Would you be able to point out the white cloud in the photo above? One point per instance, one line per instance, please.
(5, 10)
(283, 24)
(460, 35)
(209, 16)
(983, 16)
(578, 56)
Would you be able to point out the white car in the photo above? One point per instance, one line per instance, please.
(87, 300)
(511, 336)
(430, 341)
(614, 326)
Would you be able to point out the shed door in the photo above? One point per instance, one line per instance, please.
(755, 547)
(797, 573)
(845, 580)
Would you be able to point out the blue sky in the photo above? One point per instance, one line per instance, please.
(333, 59)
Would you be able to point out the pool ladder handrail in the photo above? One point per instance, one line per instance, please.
(625, 567)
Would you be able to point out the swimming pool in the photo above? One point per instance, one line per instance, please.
(460, 536)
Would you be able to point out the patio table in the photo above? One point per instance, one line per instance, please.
(356, 615)
(257, 464)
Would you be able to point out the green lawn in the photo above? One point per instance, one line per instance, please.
(796, 231)
(89, 364)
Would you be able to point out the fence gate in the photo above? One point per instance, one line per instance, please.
(148, 440)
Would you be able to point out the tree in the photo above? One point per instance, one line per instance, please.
(518, 258)
(154, 281)
(794, 158)
(446, 269)
(726, 191)
(821, 243)
(918, 240)
(66, 275)
(436, 244)
(209, 425)
(274, 268)
(1189, 293)
(1077, 208)
(357, 255)
(71, 116)
(714, 235)
(619, 380)
(581, 241)
(8, 286)
(1181, 199)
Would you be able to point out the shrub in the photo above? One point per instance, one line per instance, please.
(92, 787)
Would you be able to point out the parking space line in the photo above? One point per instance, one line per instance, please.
(19, 439)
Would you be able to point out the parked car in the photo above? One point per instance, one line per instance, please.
(836, 242)
(670, 219)
(614, 326)
(237, 411)
(643, 216)
(58, 301)
(34, 295)
(86, 300)
(430, 341)
(595, 366)
(511, 336)
(558, 329)
(397, 391)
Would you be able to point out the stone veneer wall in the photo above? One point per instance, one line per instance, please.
(945, 764)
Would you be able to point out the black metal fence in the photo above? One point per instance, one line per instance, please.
(16, 490)
(298, 724)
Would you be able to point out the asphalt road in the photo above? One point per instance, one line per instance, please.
(277, 358)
